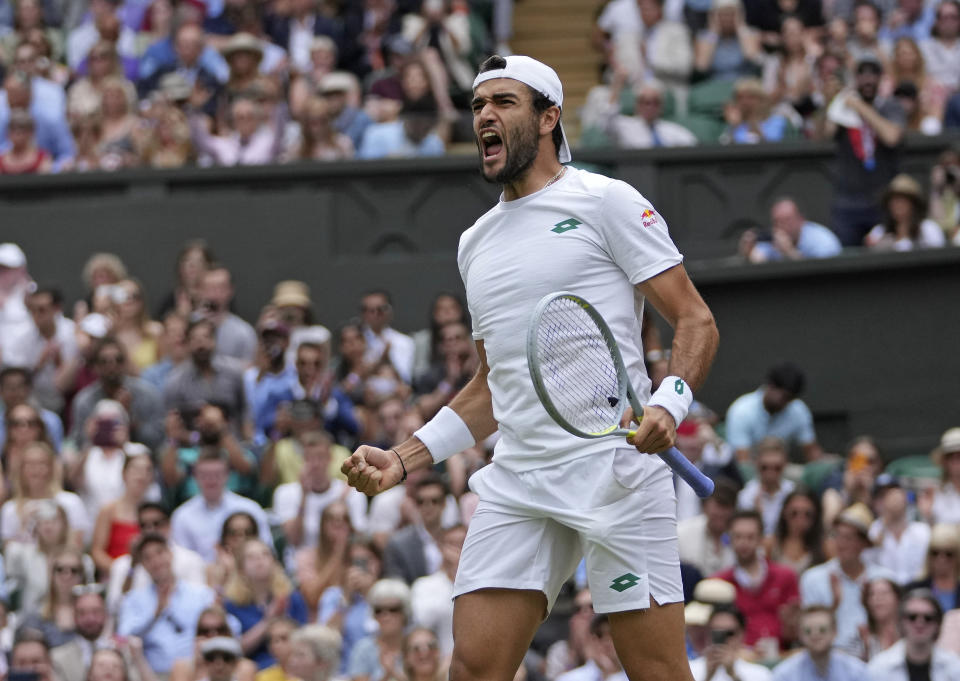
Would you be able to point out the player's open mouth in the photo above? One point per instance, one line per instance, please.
(491, 143)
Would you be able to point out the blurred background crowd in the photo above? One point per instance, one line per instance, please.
(172, 503)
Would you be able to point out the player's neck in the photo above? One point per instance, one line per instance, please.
(539, 176)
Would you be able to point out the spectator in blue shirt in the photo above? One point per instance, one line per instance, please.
(818, 661)
(164, 613)
(270, 382)
(413, 135)
(773, 410)
(792, 237)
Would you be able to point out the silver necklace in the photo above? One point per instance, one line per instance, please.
(555, 177)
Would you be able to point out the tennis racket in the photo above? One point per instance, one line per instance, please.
(580, 378)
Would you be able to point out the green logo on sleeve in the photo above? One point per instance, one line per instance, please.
(624, 582)
(566, 225)
(678, 386)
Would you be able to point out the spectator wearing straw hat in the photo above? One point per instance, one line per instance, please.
(942, 504)
(244, 53)
(838, 583)
(905, 226)
(294, 308)
(708, 594)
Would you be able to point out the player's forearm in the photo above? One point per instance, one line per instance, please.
(473, 405)
(695, 341)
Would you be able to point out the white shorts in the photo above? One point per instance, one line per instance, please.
(617, 509)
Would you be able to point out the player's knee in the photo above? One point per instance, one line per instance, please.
(475, 665)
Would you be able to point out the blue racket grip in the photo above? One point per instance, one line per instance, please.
(681, 465)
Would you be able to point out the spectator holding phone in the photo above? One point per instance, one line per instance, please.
(855, 482)
(723, 658)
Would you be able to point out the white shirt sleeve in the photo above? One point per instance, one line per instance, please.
(635, 235)
(286, 501)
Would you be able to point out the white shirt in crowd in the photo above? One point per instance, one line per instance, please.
(103, 477)
(769, 504)
(385, 513)
(891, 665)
(286, 506)
(72, 505)
(197, 525)
(591, 672)
(905, 556)
(745, 671)
(402, 350)
(432, 601)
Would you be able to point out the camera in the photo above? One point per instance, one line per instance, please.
(103, 434)
(719, 637)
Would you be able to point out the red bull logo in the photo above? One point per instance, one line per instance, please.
(648, 218)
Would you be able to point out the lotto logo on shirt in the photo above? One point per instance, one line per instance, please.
(648, 218)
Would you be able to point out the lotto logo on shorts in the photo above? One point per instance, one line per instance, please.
(648, 218)
(624, 582)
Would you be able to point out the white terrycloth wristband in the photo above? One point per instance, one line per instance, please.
(675, 396)
(445, 434)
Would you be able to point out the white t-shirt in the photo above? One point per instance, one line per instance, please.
(585, 233)
(286, 505)
(103, 477)
(745, 671)
(930, 236)
(431, 598)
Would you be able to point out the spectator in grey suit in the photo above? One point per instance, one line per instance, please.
(414, 551)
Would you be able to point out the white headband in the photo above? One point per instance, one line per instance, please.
(540, 77)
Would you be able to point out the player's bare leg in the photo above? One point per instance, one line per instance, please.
(492, 629)
(650, 643)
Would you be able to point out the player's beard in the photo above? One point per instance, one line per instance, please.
(521, 147)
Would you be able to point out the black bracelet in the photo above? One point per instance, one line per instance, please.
(401, 464)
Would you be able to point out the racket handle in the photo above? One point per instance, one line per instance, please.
(681, 465)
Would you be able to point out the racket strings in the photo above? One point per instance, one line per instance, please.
(577, 369)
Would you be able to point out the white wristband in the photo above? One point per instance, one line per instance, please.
(675, 396)
(445, 434)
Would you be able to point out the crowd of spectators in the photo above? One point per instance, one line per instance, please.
(682, 72)
(172, 504)
(110, 84)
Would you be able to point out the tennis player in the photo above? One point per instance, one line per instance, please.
(550, 498)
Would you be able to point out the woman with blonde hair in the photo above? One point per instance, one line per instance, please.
(100, 270)
(942, 574)
(258, 592)
(749, 118)
(118, 101)
(133, 326)
(941, 504)
(24, 425)
(55, 617)
(28, 562)
(38, 479)
(315, 653)
(211, 624)
(324, 565)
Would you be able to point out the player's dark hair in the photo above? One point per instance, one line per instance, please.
(540, 101)
(748, 514)
(789, 377)
(729, 609)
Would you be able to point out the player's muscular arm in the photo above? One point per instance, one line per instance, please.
(372, 470)
(695, 335)
(695, 341)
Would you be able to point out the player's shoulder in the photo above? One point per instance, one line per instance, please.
(597, 185)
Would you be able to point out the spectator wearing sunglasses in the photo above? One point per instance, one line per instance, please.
(221, 655)
(942, 574)
(380, 656)
(917, 655)
(55, 620)
(768, 490)
(819, 661)
(127, 573)
(213, 622)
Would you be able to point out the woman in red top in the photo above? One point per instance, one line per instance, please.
(23, 157)
(116, 526)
